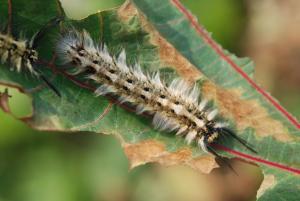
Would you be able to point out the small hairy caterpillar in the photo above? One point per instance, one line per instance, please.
(21, 53)
(17, 52)
(175, 107)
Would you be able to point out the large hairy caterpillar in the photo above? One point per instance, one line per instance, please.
(175, 107)
(21, 53)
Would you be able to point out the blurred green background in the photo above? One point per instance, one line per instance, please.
(49, 166)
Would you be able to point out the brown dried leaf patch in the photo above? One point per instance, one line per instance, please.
(246, 113)
(51, 123)
(268, 182)
(154, 151)
(169, 56)
(127, 11)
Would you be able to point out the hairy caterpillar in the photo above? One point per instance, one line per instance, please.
(17, 52)
(21, 53)
(175, 107)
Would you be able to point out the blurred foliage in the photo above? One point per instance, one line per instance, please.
(273, 41)
(58, 166)
(226, 20)
(78, 9)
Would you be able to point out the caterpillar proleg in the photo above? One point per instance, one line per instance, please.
(175, 106)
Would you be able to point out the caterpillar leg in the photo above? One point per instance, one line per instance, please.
(40, 34)
(50, 85)
(229, 133)
(40, 75)
(34, 43)
(204, 144)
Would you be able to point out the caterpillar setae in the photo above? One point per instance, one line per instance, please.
(17, 52)
(21, 53)
(175, 107)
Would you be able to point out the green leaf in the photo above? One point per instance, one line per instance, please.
(160, 35)
(260, 119)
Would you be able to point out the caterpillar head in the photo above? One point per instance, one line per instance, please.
(32, 55)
